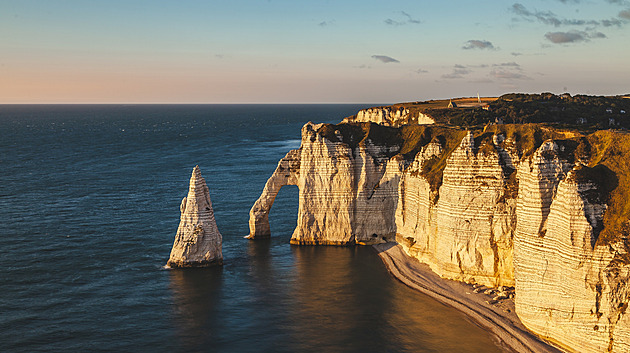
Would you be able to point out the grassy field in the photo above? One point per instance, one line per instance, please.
(587, 113)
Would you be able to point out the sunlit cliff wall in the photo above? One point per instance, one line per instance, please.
(390, 116)
(514, 205)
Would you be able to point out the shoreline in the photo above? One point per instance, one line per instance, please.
(498, 318)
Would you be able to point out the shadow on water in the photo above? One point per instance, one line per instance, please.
(338, 301)
(273, 297)
(196, 296)
(262, 272)
(280, 298)
(415, 320)
(346, 301)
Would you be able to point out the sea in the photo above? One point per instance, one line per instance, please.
(89, 208)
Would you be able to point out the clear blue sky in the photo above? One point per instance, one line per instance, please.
(271, 51)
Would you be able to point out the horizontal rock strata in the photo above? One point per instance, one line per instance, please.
(286, 173)
(466, 234)
(512, 205)
(198, 242)
(570, 289)
(390, 116)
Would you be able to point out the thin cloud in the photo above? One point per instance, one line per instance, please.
(478, 44)
(497, 71)
(452, 76)
(391, 22)
(385, 59)
(566, 37)
(547, 17)
(572, 36)
(625, 14)
(420, 71)
(362, 67)
(473, 66)
(508, 75)
(516, 54)
(613, 21)
(511, 64)
(551, 19)
(459, 71)
(408, 20)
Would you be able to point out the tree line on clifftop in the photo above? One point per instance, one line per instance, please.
(589, 112)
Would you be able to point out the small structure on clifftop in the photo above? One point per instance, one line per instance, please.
(198, 242)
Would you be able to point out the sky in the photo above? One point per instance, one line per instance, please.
(288, 51)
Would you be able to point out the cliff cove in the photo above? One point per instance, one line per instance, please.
(535, 200)
(83, 271)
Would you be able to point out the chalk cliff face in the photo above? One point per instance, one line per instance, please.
(286, 173)
(467, 233)
(570, 289)
(198, 242)
(513, 205)
(347, 193)
(390, 116)
(358, 188)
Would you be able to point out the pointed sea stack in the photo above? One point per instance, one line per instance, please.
(198, 242)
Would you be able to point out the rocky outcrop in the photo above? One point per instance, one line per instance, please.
(359, 185)
(347, 190)
(467, 234)
(198, 242)
(512, 205)
(570, 289)
(390, 116)
(345, 197)
(286, 173)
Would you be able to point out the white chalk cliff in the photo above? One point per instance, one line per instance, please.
(390, 116)
(198, 242)
(467, 234)
(570, 289)
(346, 195)
(502, 207)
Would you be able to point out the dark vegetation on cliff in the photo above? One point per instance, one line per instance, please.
(585, 112)
(590, 111)
(604, 156)
(610, 152)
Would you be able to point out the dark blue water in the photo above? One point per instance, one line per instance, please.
(89, 207)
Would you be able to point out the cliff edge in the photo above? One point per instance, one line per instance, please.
(534, 206)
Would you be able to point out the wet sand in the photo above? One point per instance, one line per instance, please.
(496, 316)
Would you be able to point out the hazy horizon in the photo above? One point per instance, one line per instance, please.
(279, 51)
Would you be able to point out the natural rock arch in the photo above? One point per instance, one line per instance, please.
(286, 173)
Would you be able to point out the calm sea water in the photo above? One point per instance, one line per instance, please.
(89, 207)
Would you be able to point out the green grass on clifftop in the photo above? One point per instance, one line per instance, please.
(611, 149)
(580, 111)
(606, 154)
